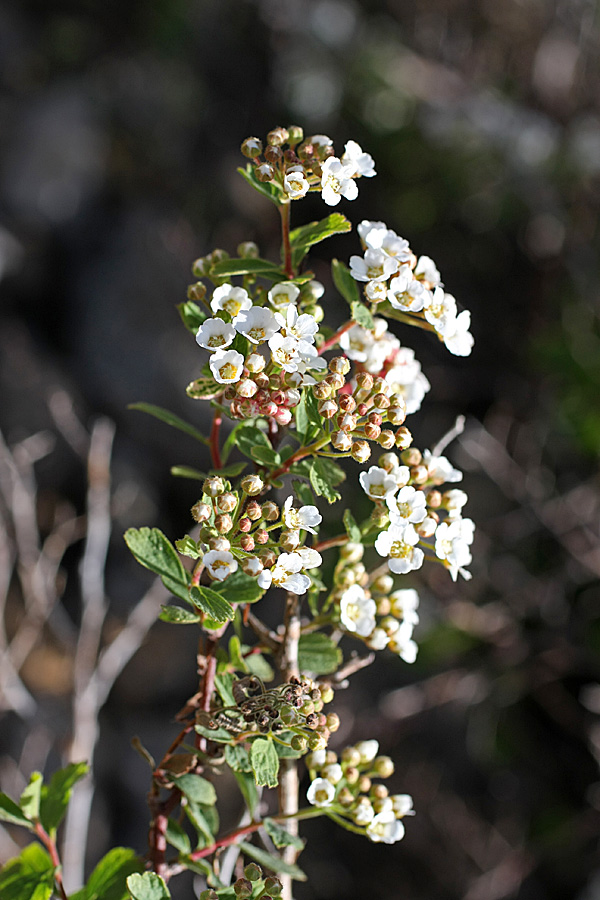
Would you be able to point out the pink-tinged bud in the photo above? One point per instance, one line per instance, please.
(403, 438)
(223, 523)
(360, 451)
(269, 558)
(278, 397)
(255, 363)
(236, 410)
(386, 439)
(248, 408)
(434, 499)
(336, 381)
(269, 408)
(278, 136)
(327, 408)
(419, 474)
(375, 418)
(347, 422)
(292, 398)
(262, 381)
(245, 524)
(254, 511)
(396, 415)
(247, 543)
(270, 511)
(283, 416)
(321, 390)
(347, 403)
(261, 395)
(380, 401)
(252, 485)
(362, 409)
(246, 388)
(252, 147)
(341, 441)
(201, 512)
(339, 365)
(261, 536)
(273, 155)
(372, 432)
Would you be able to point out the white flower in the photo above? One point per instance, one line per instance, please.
(441, 311)
(426, 271)
(302, 327)
(364, 812)
(284, 352)
(440, 469)
(377, 483)
(395, 246)
(452, 544)
(357, 611)
(321, 792)
(398, 542)
(295, 184)
(457, 338)
(253, 565)
(282, 294)
(378, 639)
(231, 299)
(321, 140)
(219, 564)
(402, 643)
(402, 804)
(404, 604)
(385, 828)
(214, 334)
(368, 750)
(409, 505)
(406, 378)
(286, 574)
(376, 291)
(337, 181)
(373, 266)
(226, 366)
(333, 773)
(372, 233)
(257, 324)
(307, 517)
(355, 343)
(410, 296)
(316, 759)
(363, 163)
(454, 501)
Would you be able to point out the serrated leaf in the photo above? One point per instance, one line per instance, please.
(177, 837)
(248, 437)
(318, 654)
(57, 793)
(264, 762)
(148, 886)
(352, 529)
(212, 603)
(29, 801)
(204, 388)
(11, 812)
(303, 238)
(192, 315)
(176, 615)
(266, 456)
(196, 788)
(30, 876)
(154, 551)
(274, 863)
(362, 316)
(344, 282)
(187, 546)
(171, 419)
(108, 881)
(281, 837)
(322, 478)
(238, 759)
(240, 588)
(268, 190)
(308, 420)
(230, 268)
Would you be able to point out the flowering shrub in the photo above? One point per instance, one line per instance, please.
(303, 397)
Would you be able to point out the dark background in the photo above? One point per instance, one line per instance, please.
(121, 124)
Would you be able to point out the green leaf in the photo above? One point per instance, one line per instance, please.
(264, 762)
(192, 315)
(238, 759)
(235, 656)
(274, 863)
(266, 456)
(306, 236)
(204, 388)
(318, 654)
(303, 492)
(11, 812)
(154, 551)
(322, 477)
(30, 798)
(224, 682)
(248, 790)
(219, 735)
(258, 665)
(281, 837)
(148, 886)
(240, 588)
(187, 472)
(196, 788)
(56, 795)
(362, 316)
(187, 546)
(177, 837)
(170, 419)
(352, 529)
(176, 615)
(268, 190)
(308, 421)
(195, 813)
(196, 475)
(344, 282)
(30, 876)
(108, 880)
(212, 603)
(230, 268)
(248, 437)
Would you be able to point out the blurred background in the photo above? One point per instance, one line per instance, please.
(121, 124)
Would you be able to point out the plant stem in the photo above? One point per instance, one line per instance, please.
(214, 440)
(284, 210)
(50, 845)
(335, 338)
(338, 541)
(300, 453)
(309, 813)
(288, 781)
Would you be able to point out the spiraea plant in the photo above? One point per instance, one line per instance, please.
(310, 403)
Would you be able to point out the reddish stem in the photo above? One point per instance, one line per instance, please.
(214, 440)
(158, 829)
(226, 841)
(338, 541)
(284, 209)
(334, 340)
(50, 846)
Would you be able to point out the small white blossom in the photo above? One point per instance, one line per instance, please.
(402, 804)
(377, 483)
(257, 324)
(453, 501)
(219, 564)
(385, 828)
(372, 233)
(363, 163)
(286, 574)
(284, 352)
(398, 542)
(452, 544)
(232, 299)
(457, 338)
(215, 334)
(316, 759)
(226, 366)
(378, 639)
(282, 294)
(404, 604)
(409, 505)
(357, 611)
(410, 296)
(368, 750)
(440, 470)
(426, 271)
(337, 181)
(321, 792)
(302, 327)
(406, 379)
(311, 559)
(307, 517)
(395, 246)
(376, 291)
(402, 643)
(441, 311)
(295, 184)
(321, 140)
(373, 266)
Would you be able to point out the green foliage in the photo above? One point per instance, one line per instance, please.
(176, 615)
(154, 551)
(187, 546)
(170, 419)
(30, 798)
(30, 876)
(212, 603)
(272, 862)
(240, 588)
(148, 886)
(281, 837)
(196, 788)
(192, 315)
(238, 758)
(267, 190)
(352, 529)
(264, 762)
(108, 881)
(308, 420)
(55, 796)
(11, 812)
(344, 282)
(318, 654)
(177, 837)
(324, 474)
(362, 316)
(248, 790)
(303, 238)
(249, 437)
(230, 268)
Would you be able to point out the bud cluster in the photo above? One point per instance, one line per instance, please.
(252, 885)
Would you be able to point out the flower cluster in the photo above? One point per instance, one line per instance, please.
(412, 286)
(344, 787)
(254, 883)
(294, 166)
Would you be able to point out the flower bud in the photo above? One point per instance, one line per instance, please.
(283, 416)
(270, 511)
(380, 385)
(246, 388)
(352, 775)
(383, 804)
(384, 767)
(347, 422)
(346, 403)
(333, 722)
(252, 147)
(321, 390)
(396, 415)
(273, 886)
(255, 363)
(264, 173)
(380, 401)
(201, 512)
(295, 135)
(326, 692)
(341, 441)
(247, 543)
(386, 439)
(336, 381)
(223, 523)
(345, 578)
(379, 517)
(243, 888)
(383, 584)
(411, 456)
(379, 791)
(339, 365)
(269, 408)
(434, 499)
(219, 543)
(254, 511)
(252, 566)
(273, 155)
(245, 525)
(251, 485)
(360, 451)
(427, 527)
(351, 756)
(278, 136)
(364, 784)
(364, 381)
(419, 474)
(217, 256)
(372, 432)
(200, 267)
(261, 536)
(253, 872)
(226, 502)
(289, 541)
(196, 291)
(327, 408)
(248, 250)
(213, 486)
(383, 606)
(292, 398)
(345, 797)
(317, 312)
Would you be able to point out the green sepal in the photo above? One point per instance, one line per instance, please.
(148, 886)
(171, 419)
(154, 551)
(264, 762)
(212, 603)
(318, 654)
